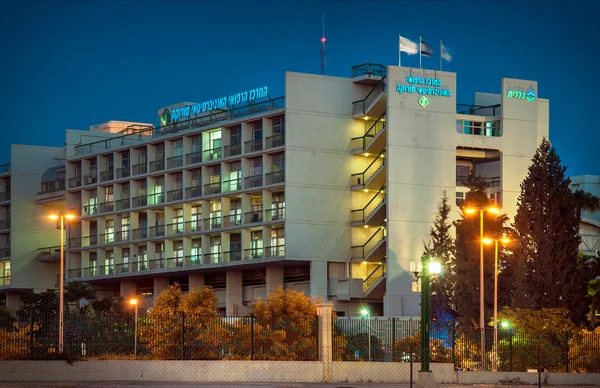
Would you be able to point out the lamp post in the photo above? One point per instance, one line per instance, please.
(365, 313)
(428, 268)
(134, 302)
(481, 277)
(61, 318)
(488, 241)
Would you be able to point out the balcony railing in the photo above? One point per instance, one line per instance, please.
(193, 192)
(275, 251)
(157, 165)
(48, 253)
(175, 195)
(193, 158)
(139, 233)
(275, 141)
(253, 181)
(232, 256)
(212, 223)
(479, 128)
(74, 273)
(463, 180)
(157, 231)
(276, 214)
(193, 226)
(105, 207)
(4, 281)
(106, 175)
(156, 198)
(253, 217)
(479, 110)
(74, 182)
(4, 252)
(138, 169)
(122, 204)
(5, 224)
(232, 150)
(89, 241)
(254, 253)
(175, 262)
(362, 141)
(196, 259)
(53, 187)
(90, 179)
(123, 235)
(361, 106)
(5, 196)
(175, 228)
(123, 172)
(158, 263)
(361, 178)
(175, 161)
(369, 69)
(253, 145)
(377, 273)
(212, 188)
(365, 212)
(273, 178)
(139, 266)
(107, 238)
(361, 251)
(75, 242)
(213, 258)
(139, 201)
(232, 185)
(232, 220)
(212, 154)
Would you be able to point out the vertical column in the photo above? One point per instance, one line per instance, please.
(325, 337)
(161, 283)
(318, 279)
(233, 301)
(274, 278)
(196, 281)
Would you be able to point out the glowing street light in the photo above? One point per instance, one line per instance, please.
(366, 313)
(134, 303)
(489, 241)
(472, 210)
(61, 318)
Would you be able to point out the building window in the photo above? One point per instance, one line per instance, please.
(257, 128)
(278, 125)
(109, 263)
(196, 251)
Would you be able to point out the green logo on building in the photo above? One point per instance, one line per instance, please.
(165, 117)
(423, 101)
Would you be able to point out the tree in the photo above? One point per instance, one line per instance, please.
(585, 201)
(547, 239)
(465, 270)
(76, 291)
(44, 301)
(441, 247)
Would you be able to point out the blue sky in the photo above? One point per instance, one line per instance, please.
(71, 64)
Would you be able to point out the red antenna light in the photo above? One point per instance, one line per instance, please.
(323, 40)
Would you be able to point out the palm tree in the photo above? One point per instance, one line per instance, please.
(585, 201)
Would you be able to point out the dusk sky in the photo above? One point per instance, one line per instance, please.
(72, 64)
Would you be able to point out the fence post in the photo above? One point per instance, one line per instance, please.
(393, 339)
(31, 334)
(182, 335)
(510, 349)
(410, 352)
(453, 344)
(567, 351)
(252, 336)
(539, 357)
(325, 338)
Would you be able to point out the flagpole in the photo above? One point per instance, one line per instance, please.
(399, 53)
(441, 65)
(420, 51)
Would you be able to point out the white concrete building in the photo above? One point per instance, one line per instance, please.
(32, 186)
(589, 226)
(330, 190)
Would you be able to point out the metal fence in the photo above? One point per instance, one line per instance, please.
(34, 335)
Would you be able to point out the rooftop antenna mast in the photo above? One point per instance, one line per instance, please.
(323, 40)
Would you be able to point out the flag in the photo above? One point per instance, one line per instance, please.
(425, 49)
(445, 52)
(408, 46)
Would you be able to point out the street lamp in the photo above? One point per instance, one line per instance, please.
(481, 294)
(365, 313)
(488, 241)
(61, 318)
(134, 302)
(428, 268)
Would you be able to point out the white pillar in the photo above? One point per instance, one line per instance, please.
(325, 335)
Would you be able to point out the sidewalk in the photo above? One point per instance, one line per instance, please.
(283, 385)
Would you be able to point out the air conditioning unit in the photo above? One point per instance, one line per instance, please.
(87, 180)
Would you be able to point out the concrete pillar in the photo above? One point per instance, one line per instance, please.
(274, 278)
(233, 301)
(13, 301)
(318, 279)
(128, 289)
(196, 281)
(325, 333)
(161, 283)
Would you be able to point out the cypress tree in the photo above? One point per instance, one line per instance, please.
(547, 240)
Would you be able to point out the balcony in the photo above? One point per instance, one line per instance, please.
(158, 263)
(107, 238)
(89, 241)
(253, 181)
(232, 220)
(212, 188)
(212, 154)
(232, 256)
(74, 182)
(4, 281)
(175, 161)
(463, 180)
(275, 141)
(175, 195)
(276, 214)
(175, 228)
(254, 253)
(157, 165)
(196, 259)
(214, 222)
(122, 204)
(193, 226)
(139, 201)
(124, 235)
(123, 172)
(139, 266)
(368, 73)
(193, 192)
(5, 196)
(213, 258)
(232, 150)
(175, 262)
(106, 207)
(107, 175)
(232, 185)
(5, 224)
(253, 217)
(138, 169)
(139, 233)
(253, 145)
(90, 179)
(4, 252)
(193, 158)
(273, 178)
(156, 199)
(74, 273)
(157, 231)
(48, 253)
(75, 242)
(275, 251)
